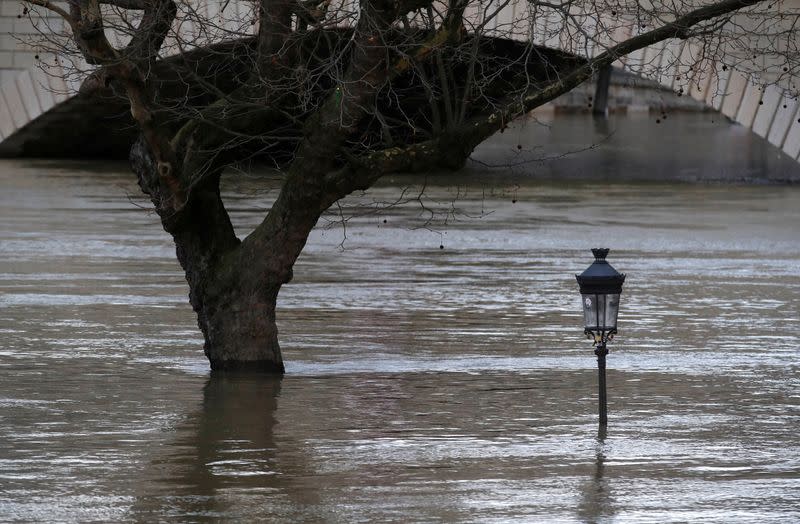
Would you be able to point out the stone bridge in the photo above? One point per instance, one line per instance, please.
(42, 114)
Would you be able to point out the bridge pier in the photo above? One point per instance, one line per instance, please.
(600, 105)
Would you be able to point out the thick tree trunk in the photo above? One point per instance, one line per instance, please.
(232, 290)
(233, 297)
(240, 331)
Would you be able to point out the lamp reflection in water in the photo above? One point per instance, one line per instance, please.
(597, 503)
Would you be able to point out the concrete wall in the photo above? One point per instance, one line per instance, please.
(25, 90)
(18, 50)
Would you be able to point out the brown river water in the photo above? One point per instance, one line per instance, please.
(424, 383)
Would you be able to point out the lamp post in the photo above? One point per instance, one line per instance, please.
(601, 286)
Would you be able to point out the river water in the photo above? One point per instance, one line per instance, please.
(436, 368)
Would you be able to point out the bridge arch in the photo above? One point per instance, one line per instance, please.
(38, 101)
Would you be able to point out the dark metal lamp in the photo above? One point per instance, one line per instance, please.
(601, 286)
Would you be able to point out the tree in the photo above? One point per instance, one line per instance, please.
(337, 95)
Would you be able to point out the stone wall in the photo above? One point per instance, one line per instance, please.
(17, 33)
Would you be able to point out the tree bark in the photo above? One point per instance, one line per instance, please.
(233, 291)
(240, 330)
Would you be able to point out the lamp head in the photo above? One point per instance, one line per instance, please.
(600, 287)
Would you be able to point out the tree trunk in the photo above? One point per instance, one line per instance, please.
(240, 331)
(231, 289)
(233, 296)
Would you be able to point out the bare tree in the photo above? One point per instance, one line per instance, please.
(337, 94)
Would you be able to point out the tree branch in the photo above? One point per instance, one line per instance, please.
(135, 5)
(152, 30)
(477, 131)
(56, 9)
(452, 148)
(302, 198)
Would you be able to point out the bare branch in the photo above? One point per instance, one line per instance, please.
(137, 5)
(54, 8)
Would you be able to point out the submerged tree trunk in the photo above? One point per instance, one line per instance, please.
(234, 300)
(240, 330)
(232, 290)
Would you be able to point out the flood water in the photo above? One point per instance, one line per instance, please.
(436, 367)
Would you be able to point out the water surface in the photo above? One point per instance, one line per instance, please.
(436, 367)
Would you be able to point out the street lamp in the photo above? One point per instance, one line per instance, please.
(601, 286)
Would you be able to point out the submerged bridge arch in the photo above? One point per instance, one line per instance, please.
(36, 101)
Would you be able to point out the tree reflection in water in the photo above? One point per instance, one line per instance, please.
(222, 462)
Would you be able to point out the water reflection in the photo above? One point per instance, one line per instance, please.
(597, 503)
(222, 456)
(602, 126)
(703, 147)
(424, 383)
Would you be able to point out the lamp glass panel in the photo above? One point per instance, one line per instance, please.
(593, 310)
(611, 311)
